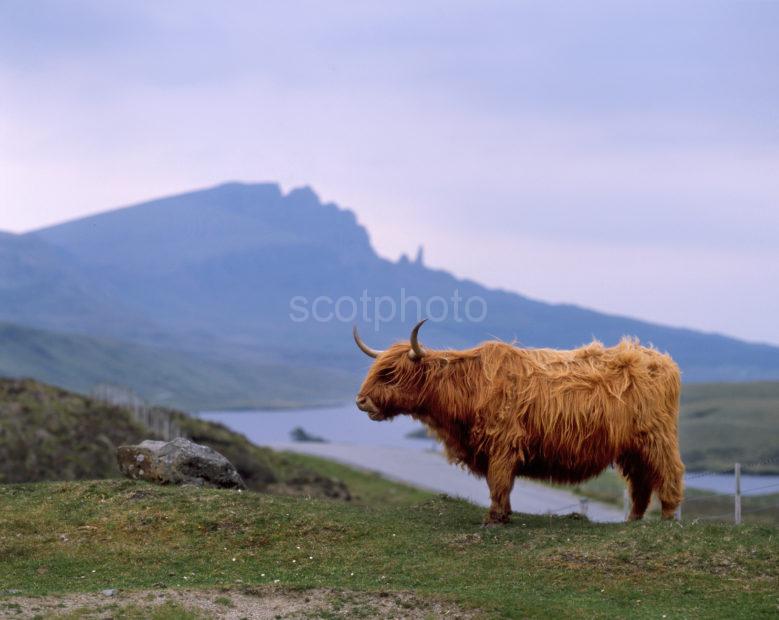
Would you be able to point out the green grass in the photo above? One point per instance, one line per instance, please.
(165, 611)
(86, 536)
(47, 433)
(722, 423)
(366, 487)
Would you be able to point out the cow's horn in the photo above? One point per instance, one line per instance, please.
(364, 347)
(417, 351)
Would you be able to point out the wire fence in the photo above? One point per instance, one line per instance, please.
(761, 488)
(157, 421)
(752, 465)
(710, 501)
(729, 515)
(703, 503)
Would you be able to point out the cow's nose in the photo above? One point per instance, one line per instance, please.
(361, 400)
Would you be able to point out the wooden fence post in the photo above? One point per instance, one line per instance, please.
(583, 506)
(738, 495)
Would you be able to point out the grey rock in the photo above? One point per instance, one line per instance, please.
(109, 592)
(180, 461)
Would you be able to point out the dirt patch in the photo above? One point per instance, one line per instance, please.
(230, 605)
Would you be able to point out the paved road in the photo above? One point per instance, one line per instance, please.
(429, 470)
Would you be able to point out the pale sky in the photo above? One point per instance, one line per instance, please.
(620, 156)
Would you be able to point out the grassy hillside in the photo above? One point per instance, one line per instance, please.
(50, 434)
(47, 433)
(163, 376)
(87, 536)
(392, 549)
(722, 423)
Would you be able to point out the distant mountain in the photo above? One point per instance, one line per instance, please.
(212, 274)
(46, 285)
(217, 268)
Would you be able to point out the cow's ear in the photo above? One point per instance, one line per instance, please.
(443, 362)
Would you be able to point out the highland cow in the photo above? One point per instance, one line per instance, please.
(504, 411)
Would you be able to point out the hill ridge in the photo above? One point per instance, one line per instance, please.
(214, 272)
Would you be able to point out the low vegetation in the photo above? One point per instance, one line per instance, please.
(47, 433)
(722, 423)
(69, 537)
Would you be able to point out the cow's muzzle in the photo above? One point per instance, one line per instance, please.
(364, 403)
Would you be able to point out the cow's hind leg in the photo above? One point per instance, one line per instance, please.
(669, 483)
(639, 479)
(500, 478)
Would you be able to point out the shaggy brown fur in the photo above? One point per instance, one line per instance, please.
(503, 411)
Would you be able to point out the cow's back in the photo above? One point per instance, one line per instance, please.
(569, 414)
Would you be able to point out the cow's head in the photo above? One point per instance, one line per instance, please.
(394, 383)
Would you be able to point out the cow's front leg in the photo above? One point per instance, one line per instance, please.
(500, 478)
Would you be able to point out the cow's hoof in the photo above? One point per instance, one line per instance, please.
(495, 520)
(493, 523)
